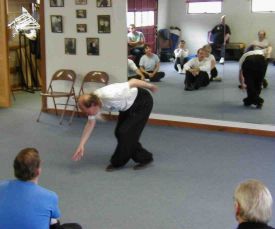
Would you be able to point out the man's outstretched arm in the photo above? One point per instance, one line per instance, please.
(142, 84)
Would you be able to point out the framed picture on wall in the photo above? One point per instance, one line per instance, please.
(81, 2)
(70, 46)
(81, 13)
(56, 3)
(103, 3)
(81, 28)
(104, 23)
(92, 46)
(56, 24)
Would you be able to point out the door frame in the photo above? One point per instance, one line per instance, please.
(5, 89)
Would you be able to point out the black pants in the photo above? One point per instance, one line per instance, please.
(178, 61)
(218, 50)
(213, 73)
(254, 69)
(65, 226)
(156, 78)
(195, 82)
(128, 131)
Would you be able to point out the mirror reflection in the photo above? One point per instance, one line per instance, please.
(222, 98)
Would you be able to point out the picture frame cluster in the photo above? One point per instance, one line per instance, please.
(92, 43)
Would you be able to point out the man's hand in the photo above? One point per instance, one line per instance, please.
(153, 88)
(142, 84)
(78, 153)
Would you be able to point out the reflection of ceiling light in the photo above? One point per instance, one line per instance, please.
(25, 22)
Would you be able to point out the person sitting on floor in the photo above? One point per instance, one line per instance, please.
(181, 55)
(261, 43)
(252, 205)
(253, 67)
(133, 71)
(24, 203)
(197, 71)
(210, 57)
(149, 65)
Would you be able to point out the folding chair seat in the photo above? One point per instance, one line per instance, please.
(61, 90)
(92, 81)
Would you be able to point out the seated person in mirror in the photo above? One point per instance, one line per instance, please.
(261, 43)
(181, 55)
(133, 71)
(209, 57)
(220, 35)
(136, 41)
(253, 67)
(197, 71)
(149, 65)
(252, 205)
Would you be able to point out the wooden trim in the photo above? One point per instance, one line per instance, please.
(5, 89)
(240, 130)
(152, 121)
(43, 53)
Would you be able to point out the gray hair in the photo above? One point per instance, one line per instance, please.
(255, 201)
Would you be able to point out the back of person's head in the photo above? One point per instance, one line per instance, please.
(89, 100)
(26, 164)
(253, 202)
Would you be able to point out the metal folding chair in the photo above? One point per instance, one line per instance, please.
(61, 90)
(91, 81)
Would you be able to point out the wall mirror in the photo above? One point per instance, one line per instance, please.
(219, 100)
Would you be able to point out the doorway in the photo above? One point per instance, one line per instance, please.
(144, 14)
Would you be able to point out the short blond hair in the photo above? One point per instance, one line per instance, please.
(254, 200)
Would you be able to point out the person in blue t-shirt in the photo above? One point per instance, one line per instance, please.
(24, 203)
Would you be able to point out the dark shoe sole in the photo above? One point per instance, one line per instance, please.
(259, 106)
(142, 165)
(111, 168)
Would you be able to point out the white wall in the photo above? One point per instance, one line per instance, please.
(163, 14)
(244, 24)
(113, 46)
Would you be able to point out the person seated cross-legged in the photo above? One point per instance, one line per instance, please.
(149, 65)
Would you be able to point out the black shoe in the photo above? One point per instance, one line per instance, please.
(142, 165)
(247, 102)
(265, 83)
(111, 168)
(259, 106)
(189, 88)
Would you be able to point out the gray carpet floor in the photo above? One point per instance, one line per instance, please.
(189, 185)
(219, 100)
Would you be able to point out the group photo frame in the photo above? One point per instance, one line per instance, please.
(56, 3)
(70, 46)
(56, 23)
(103, 3)
(92, 44)
(104, 23)
(81, 13)
(81, 28)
